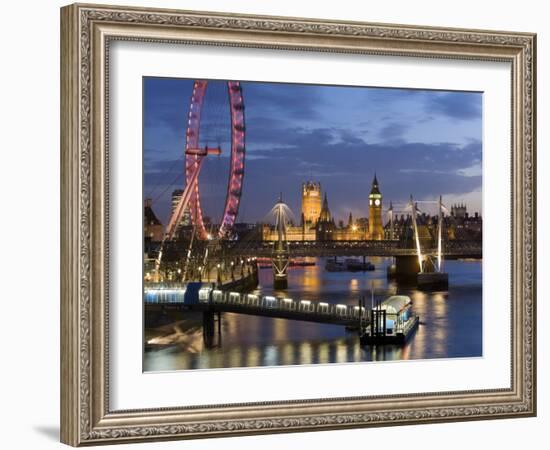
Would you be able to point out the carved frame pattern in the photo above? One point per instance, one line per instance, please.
(86, 33)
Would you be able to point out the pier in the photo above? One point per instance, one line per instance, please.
(389, 322)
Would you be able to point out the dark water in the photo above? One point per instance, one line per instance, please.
(450, 324)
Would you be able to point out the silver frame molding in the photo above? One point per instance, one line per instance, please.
(86, 31)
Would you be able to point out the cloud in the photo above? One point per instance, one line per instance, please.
(349, 137)
(288, 101)
(393, 131)
(166, 102)
(386, 95)
(345, 169)
(456, 105)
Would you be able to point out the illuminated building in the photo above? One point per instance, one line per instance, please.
(326, 230)
(186, 217)
(311, 210)
(376, 229)
(317, 222)
(325, 225)
(311, 203)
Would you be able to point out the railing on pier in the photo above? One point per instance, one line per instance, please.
(282, 307)
(210, 299)
(164, 294)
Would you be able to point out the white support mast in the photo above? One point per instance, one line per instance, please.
(415, 228)
(280, 259)
(390, 212)
(439, 234)
(280, 248)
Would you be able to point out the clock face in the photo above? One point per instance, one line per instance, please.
(377, 202)
(370, 201)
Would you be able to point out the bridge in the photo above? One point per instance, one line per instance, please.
(450, 248)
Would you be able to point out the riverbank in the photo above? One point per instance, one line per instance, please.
(179, 329)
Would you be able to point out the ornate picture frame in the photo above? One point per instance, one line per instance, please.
(86, 34)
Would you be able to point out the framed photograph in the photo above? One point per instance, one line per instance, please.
(276, 225)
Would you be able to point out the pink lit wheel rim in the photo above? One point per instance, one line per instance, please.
(236, 168)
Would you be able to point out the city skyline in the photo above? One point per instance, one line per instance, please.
(424, 143)
(296, 219)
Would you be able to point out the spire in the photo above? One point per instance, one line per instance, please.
(375, 188)
(325, 212)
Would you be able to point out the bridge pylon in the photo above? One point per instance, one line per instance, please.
(281, 255)
(280, 263)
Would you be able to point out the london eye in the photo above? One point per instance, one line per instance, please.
(194, 157)
(195, 154)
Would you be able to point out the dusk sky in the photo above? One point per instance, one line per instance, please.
(418, 142)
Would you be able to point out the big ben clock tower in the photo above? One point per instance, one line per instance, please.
(376, 231)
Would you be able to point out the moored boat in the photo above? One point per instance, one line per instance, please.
(391, 322)
(333, 265)
(356, 265)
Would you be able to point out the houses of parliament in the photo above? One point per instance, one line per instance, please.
(318, 224)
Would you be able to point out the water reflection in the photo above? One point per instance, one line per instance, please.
(450, 324)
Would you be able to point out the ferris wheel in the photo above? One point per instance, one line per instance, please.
(195, 155)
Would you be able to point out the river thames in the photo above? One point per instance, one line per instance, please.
(450, 324)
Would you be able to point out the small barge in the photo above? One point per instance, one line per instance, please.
(348, 265)
(391, 322)
(335, 266)
(356, 265)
